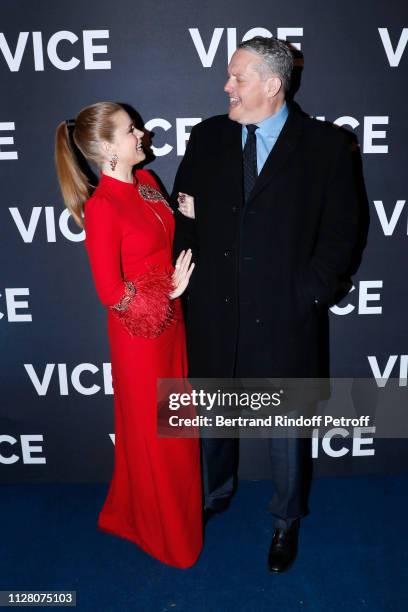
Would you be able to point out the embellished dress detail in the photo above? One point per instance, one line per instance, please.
(154, 498)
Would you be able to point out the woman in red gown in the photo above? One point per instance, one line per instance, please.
(154, 498)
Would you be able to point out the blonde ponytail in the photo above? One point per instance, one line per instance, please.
(73, 182)
(93, 125)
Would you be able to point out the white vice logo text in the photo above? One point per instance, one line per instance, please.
(207, 56)
(369, 133)
(7, 126)
(28, 449)
(13, 305)
(388, 225)
(357, 447)
(364, 297)
(181, 134)
(42, 383)
(89, 50)
(392, 360)
(28, 228)
(394, 57)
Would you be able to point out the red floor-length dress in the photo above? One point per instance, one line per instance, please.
(154, 497)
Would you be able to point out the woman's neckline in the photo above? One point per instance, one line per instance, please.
(106, 178)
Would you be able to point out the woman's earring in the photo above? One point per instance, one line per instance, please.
(114, 161)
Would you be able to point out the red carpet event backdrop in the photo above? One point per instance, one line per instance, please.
(168, 60)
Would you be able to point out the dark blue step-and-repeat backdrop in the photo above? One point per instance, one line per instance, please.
(168, 60)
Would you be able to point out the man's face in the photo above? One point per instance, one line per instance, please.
(248, 93)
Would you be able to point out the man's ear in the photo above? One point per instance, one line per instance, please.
(274, 86)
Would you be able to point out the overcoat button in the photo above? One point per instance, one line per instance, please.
(227, 254)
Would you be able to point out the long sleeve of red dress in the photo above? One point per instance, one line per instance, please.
(103, 238)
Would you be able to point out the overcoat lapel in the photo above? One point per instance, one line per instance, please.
(285, 145)
(233, 161)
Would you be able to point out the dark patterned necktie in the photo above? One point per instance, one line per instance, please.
(250, 165)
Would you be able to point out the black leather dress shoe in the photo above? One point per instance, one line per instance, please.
(283, 550)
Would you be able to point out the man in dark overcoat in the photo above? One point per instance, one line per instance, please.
(273, 237)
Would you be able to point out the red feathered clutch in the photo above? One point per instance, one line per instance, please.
(146, 310)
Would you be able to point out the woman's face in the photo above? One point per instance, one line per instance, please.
(127, 143)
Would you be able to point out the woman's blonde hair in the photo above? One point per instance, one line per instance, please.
(92, 125)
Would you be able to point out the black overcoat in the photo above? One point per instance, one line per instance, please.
(266, 272)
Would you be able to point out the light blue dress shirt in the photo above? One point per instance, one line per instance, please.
(267, 134)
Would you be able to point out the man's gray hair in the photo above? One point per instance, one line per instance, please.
(276, 55)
